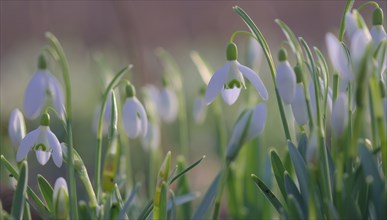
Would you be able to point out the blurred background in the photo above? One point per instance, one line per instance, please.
(118, 33)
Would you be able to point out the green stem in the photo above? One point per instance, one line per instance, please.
(98, 162)
(375, 4)
(221, 126)
(261, 40)
(241, 33)
(66, 77)
(219, 194)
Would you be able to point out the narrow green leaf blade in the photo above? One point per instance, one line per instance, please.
(128, 202)
(208, 199)
(290, 36)
(268, 193)
(278, 169)
(291, 189)
(47, 192)
(20, 193)
(186, 170)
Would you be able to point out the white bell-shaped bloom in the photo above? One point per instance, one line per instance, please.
(311, 153)
(254, 54)
(286, 81)
(249, 125)
(378, 34)
(152, 138)
(106, 116)
(16, 127)
(299, 107)
(199, 110)
(359, 42)
(229, 79)
(168, 105)
(340, 114)
(42, 87)
(43, 142)
(338, 56)
(350, 25)
(61, 199)
(134, 118)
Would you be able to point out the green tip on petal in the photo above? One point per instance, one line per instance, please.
(377, 17)
(232, 52)
(298, 71)
(42, 65)
(130, 90)
(45, 119)
(282, 55)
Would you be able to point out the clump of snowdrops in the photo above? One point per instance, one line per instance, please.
(335, 162)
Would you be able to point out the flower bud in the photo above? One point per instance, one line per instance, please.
(377, 17)
(285, 79)
(16, 127)
(61, 199)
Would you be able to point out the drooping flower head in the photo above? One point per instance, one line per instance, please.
(43, 142)
(229, 79)
(359, 35)
(377, 31)
(168, 105)
(285, 78)
(249, 125)
(339, 57)
(340, 114)
(16, 127)
(134, 118)
(43, 87)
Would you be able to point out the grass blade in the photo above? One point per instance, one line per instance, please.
(186, 170)
(20, 193)
(128, 202)
(47, 192)
(278, 169)
(268, 193)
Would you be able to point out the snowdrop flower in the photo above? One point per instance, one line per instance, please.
(61, 199)
(299, 107)
(311, 154)
(229, 79)
(167, 103)
(254, 54)
(377, 31)
(43, 87)
(43, 142)
(250, 124)
(285, 78)
(359, 35)
(16, 127)
(339, 114)
(339, 57)
(199, 107)
(134, 118)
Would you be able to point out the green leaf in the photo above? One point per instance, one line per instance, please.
(203, 69)
(182, 187)
(294, 207)
(84, 212)
(290, 36)
(301, 171)
(183, 199)
(160, 206)
(177, 176)
(278, 170)
(20, 193)
(42, 208)
(302, 145)
(291, 189)
(268, 193)
(129, 201)
(47, 192)
(208, 198)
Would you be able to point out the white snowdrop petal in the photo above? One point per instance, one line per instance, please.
(258, 121)
(131, 121)
(339, 114)
(351, 24)
(168, 107)
(57, 94)
(143, 117)
(216, 83)
(338, 57)
(299, 108)
(199, 110)
(60, 182)
(230, 95)
(26, 144)
(35, 94)
(359, 42)
(378, 34)
(16, 127)
(42, 156)
(254, 54)
(56, 148)
(286, 82)
(255, 80)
